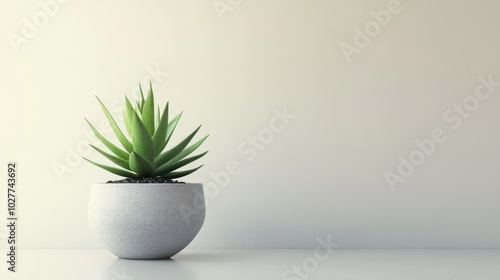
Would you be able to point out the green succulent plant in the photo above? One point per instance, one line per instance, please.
(149, 133)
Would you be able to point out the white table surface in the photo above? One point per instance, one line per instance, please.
(96, 264)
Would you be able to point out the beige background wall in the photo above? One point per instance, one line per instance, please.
(359, 94)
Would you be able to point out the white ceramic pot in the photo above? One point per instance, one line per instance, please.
(146, 221)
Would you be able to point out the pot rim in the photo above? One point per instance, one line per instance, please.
(146, 184)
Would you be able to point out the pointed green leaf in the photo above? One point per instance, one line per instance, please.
(138, 107)
(168, 155)
(173, 175)
(141, 101)
(171, 127)
(188, 150)
(118, 161)
(117, 171)
(140, 165)
(119, 134)
(117, 151)
(161, 132)
(148, 113)
(171, 166)
(158, 116)
(170, 130)
(128, 115)
(143, 145)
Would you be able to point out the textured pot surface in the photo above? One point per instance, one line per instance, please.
(146, 221)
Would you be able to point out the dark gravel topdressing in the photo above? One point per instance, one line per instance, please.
(157, 180)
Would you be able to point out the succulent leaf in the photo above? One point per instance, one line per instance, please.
(118, 161)
(119, 134)
(141, 166)
(141, 101)
(178, 174)
(170, 130)
(143, 145)
(157, 119)
(168, 155)
(128, 115)
(171, 166)
(188, 150)
(117, 151)
(148, 113)
(114, 170)
(161, 132)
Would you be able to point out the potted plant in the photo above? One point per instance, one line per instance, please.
(146, 215)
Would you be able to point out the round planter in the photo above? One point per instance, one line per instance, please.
(146, 221)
